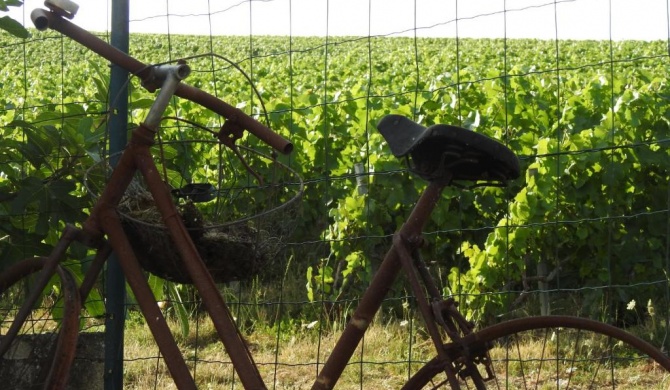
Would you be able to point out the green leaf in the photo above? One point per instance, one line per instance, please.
(308, 285)
(31, 189)
(50, 199)
(178, 304)
(142, 103)
(13, 27)
(95, 304)
(5, 4)
(156, 285)
(24, 244)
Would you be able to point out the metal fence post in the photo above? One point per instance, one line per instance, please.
(115, 291)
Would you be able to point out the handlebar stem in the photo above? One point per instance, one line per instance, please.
(171, 76)
(159, 73)
(44, 19)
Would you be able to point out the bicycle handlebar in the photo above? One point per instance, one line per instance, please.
(43, 19)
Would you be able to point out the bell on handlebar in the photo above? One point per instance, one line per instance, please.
(65, 8)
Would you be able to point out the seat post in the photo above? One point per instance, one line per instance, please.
(423, 208)
(376, 292)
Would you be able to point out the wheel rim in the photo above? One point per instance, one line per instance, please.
(558, 352)
(30, 356)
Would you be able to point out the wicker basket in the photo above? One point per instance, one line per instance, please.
(238, 223)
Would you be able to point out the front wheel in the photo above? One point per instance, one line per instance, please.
(37, 337)
(556, 352)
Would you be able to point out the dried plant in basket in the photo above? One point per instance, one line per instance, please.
(231, 250)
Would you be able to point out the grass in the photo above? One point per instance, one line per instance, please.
(290, 359)
(290, 352)
(585, 358)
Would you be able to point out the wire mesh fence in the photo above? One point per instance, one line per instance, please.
(582, 100)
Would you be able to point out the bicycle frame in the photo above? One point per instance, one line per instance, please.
(433, 308)
(103, 230)
(398, 258)
(104, 219)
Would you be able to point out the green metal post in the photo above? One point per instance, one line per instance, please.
(115, 291)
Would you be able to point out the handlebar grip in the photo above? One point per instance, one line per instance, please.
(43, 19)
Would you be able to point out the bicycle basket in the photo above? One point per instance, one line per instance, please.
(237, 223)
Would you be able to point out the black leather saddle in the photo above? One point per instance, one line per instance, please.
(451, 153)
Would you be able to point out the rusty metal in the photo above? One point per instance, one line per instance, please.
(145, 299)
(48, 269)
(379, 286)
(219, 313)
(11, 276)
(104, 219)
(55, 371)
(66, 346)
(20, 270)
(142, 160)
(44, 19)
(94, 270)
(401, 245)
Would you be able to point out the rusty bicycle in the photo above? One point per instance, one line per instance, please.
(569, 352)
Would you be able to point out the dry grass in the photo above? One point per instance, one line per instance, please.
(290, 359)
(595, 362)
(290, 354)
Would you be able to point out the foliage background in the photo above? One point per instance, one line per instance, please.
(588, 119)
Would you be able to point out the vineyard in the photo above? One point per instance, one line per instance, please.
(589, 120)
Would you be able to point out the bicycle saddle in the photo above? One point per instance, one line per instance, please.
(444, 152)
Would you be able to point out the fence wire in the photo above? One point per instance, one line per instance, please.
(585, 231)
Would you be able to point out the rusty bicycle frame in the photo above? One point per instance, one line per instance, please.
(103, 231)
(104, 220)
(434, 309)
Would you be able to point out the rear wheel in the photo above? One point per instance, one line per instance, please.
(37, 352)
(552, 352)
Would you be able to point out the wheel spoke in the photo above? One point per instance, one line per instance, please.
(42, 351)
(555, 352)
